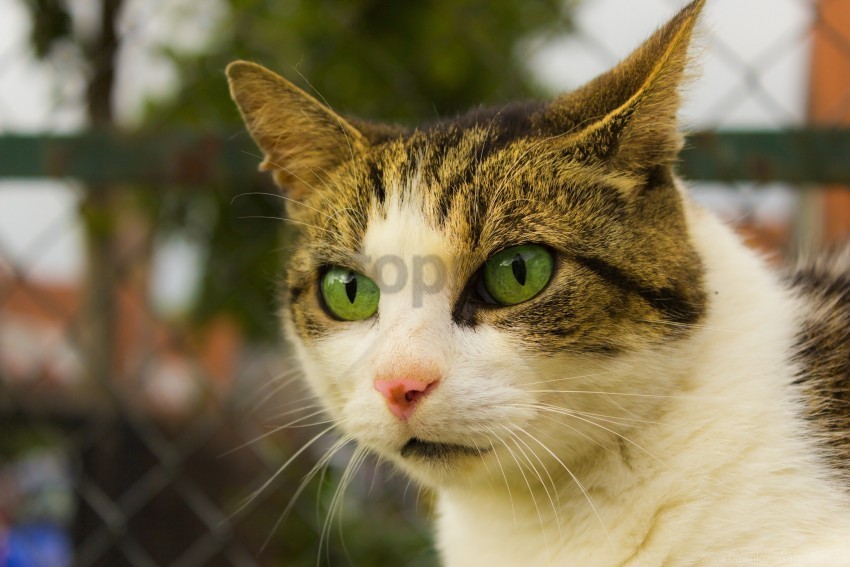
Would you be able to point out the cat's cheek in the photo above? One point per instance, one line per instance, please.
(326, 369)
(313, 376)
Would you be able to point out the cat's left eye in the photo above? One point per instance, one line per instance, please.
(348, 295)
(517, 274)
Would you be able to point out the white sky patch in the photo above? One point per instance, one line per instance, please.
(149, 27)
(177, 267)
(40, 232)
(35, 96)
(747, 78)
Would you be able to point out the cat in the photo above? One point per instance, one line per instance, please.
(523, 309)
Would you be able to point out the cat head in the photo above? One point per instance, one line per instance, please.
(461, 293)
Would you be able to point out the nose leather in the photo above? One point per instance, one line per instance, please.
(403, 394)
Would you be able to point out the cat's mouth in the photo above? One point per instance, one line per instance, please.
(419, 448)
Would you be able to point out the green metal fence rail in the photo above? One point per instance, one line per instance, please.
(817, 156)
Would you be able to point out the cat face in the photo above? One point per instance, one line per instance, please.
(460, 294)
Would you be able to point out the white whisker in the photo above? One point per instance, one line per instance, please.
(277, 429)
(626, 394)
(555, 508)
(578, 483)
(504, 475)
(588, 420)
(280, 470)
(351, 468)
(531, 493)
(278, 196)
(564, 379)
(616, 420)
(320, 465)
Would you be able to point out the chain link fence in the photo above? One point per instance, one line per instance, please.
(149, 411)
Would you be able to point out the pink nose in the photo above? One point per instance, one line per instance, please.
(402, 394)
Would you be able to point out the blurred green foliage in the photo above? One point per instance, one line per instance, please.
(51, 24)
(377, 59)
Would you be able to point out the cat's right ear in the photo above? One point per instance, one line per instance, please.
(301, 139)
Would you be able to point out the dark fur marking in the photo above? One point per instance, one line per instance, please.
(823, 283)
(823, 352)
(434, 450)
(507, 122)
(450, 186)
(467, 304)
(669, 302)
(477, 216)
(658, 177)
(294, 293)
(376, 178)
(444, 205)
(502, 125)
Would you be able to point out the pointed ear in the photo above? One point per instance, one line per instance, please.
(300, 138)
(628, 115)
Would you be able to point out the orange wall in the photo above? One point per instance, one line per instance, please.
(829, 100)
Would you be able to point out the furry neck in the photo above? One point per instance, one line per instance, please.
(724, 462)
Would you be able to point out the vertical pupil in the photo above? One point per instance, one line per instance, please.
(518, 268)
(351, 287)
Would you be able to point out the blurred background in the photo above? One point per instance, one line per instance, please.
(147, 403)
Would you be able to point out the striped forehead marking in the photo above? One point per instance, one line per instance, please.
(404, 231)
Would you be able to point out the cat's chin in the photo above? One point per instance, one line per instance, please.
(440, 464)
(421, 449)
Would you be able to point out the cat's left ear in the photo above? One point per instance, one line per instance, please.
(628, 115)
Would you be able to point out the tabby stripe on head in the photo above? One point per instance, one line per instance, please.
(376, 178)
(294, 293)
(670, 302)
(464, 176)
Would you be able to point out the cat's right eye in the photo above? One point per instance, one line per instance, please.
(348, 295)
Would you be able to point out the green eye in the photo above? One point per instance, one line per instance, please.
(518, 273)
(348, 295)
